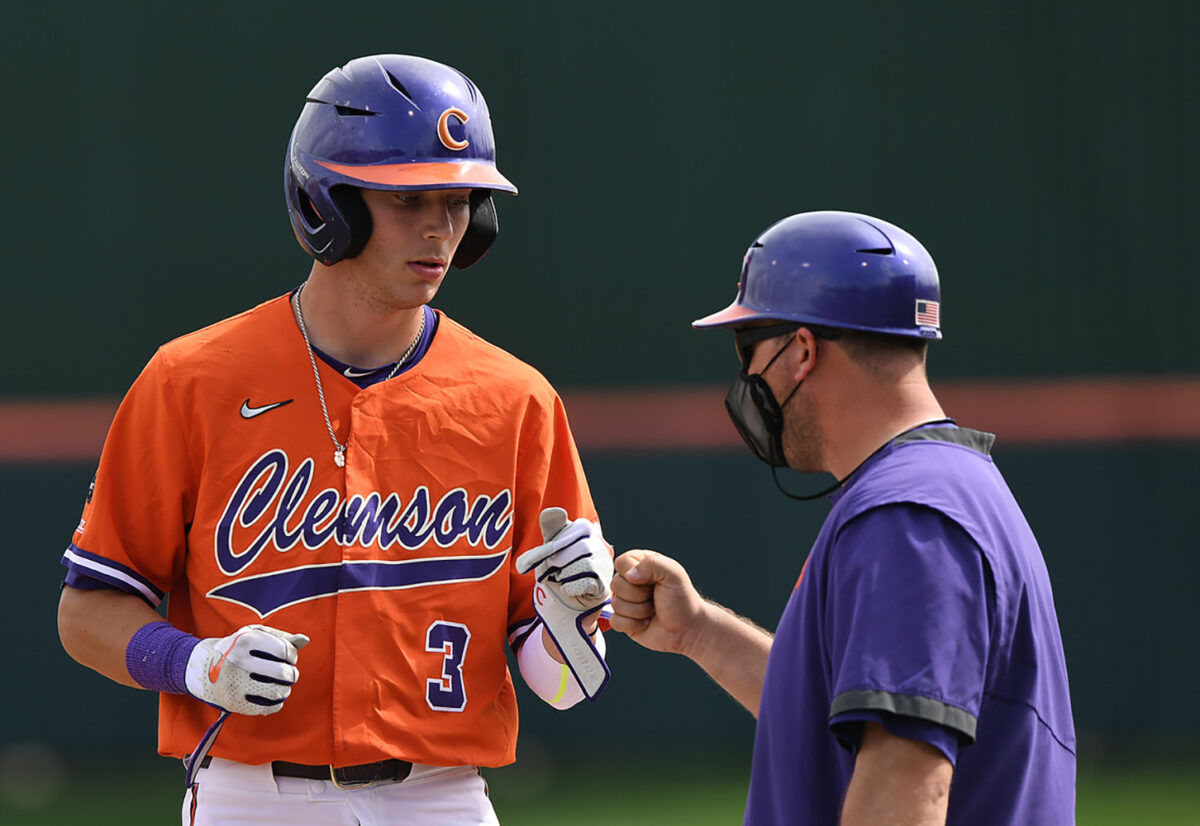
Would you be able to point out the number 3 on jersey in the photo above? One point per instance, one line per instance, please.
(449, 639)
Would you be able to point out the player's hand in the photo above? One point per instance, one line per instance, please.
(574, 564)
(574, 571)
(655, 603)
(251, 671)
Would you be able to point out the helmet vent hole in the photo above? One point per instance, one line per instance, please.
(399, 87)
(471, 88)
(878, 251)
(350, 112)
(308, 210)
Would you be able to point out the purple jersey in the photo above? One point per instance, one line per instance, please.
(925, 606)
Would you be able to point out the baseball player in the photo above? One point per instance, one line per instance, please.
(917, 673)
(349, 502)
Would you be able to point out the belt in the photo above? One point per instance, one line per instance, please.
(344, 777)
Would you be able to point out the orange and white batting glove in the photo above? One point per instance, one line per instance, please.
(574, 570)
(251, 671)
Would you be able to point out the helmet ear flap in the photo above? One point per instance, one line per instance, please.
(330, 225)
(481, 232)
(312, 231)
(349, 203)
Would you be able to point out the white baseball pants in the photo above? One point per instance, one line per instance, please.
(235, 794)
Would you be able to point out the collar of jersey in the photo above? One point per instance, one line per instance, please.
(368, 377)
(940, 430)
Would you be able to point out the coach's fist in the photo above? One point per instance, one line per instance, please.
(251, 671)
(655, 603)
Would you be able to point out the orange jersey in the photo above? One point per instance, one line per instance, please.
(217, 487)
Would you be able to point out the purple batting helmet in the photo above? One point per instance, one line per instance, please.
(837, 269)
(391, 122)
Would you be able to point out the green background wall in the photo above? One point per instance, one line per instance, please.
(1044, 152)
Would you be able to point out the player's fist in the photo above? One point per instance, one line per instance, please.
(574, 570)
(251, 671)
(574, 564)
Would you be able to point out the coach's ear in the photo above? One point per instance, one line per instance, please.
(801, 354)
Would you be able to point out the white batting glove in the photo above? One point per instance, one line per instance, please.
(574, 571)
(251, 671)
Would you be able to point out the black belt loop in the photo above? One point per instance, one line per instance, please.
(345, 777)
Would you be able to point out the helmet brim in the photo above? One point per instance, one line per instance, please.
(731, 316)
(448, 175)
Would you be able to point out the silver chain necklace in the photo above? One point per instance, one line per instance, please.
(339, 449)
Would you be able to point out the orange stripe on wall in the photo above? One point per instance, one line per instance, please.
(66, 430)
(1053, 411)
(1044, 411)
(1078, 410)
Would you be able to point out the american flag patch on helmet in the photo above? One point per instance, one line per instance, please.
(927, 313)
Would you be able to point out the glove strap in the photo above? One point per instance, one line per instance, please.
(157, 657)
(578, 650)
(194, 761)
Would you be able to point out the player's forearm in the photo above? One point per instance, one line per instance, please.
(545, 672)
(733, 651)
(548, 641)
(95, 628)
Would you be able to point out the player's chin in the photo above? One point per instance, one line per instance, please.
(427, 287)
(408, 295)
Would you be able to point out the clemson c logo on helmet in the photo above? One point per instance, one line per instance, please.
(444, 135)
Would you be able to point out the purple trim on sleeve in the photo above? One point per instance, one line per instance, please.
(93, 566)
(77, 578)
(157, 657)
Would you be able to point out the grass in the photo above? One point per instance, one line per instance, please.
(613, 795)
(1139, 797)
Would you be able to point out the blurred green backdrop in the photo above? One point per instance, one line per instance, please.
(1045, 153)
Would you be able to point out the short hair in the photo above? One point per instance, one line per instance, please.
(884, 355)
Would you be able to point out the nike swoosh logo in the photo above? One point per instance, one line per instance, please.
(249, 412)
(214, 670)
(351, 373)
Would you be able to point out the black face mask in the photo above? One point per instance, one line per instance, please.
(756, 414)
(759, 420)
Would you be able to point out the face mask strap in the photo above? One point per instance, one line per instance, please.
(775, 468)
(806, 498)
(778, 353)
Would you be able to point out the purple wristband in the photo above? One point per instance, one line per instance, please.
(157, 657)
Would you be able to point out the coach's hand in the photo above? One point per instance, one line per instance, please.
(655, 603)
(251, 671)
